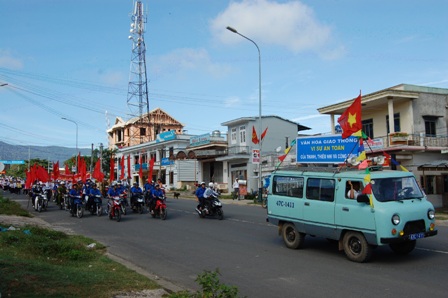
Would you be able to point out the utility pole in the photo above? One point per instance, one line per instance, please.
(91, 159)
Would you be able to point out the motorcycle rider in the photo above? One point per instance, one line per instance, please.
(135, 192)
(114, 191)
(36, 190)
(207, 195)
(62, 190)
(94, 191)
(74, 194)
(200, 196)
(157, 192)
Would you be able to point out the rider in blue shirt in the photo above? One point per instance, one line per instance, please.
(94, 191)
(157, 192)
(135, 192)
(200, 195)
(74, 193)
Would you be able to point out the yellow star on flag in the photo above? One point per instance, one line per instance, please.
(351, 119)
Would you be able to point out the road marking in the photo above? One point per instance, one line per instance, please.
(433, 250)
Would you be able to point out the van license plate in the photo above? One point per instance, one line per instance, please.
(416, 236)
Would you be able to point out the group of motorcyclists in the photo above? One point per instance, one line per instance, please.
(88, 190)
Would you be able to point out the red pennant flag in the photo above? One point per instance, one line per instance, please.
(151, 167)
(67, 171)
(350, 120)
(97, 174)
(112, 169)
(264, 133)
(282, 158)
(129, 167)
(254, 135)
(140, 169)
(368, 189)
(56, 170)
(122, 168)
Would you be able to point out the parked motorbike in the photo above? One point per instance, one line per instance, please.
(77, 208)
(114, 208)
(40, 202)
(212, 207)
(139, 203)
(95, 205)
(160, 208)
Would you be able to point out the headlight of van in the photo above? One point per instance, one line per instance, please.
(396, 219)
(431, 214)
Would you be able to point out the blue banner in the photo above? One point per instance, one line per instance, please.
(13, 162)
(326, 149)
(166, 136)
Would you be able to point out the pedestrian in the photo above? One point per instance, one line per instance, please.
(236, 190)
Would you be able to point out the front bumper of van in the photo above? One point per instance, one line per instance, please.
(408, 237)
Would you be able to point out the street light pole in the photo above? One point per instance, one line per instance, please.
(76, 157)
(260, 187)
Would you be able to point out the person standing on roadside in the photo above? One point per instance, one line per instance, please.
(236, 190)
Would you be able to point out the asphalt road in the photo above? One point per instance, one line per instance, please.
(250, 255)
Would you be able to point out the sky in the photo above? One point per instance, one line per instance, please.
(71, 58)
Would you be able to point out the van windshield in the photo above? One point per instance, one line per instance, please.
(396, 189)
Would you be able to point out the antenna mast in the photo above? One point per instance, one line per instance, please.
(138, 85)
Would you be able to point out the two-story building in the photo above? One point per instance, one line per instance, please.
(408, 122)
(239, 162)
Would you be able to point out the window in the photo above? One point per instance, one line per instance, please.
(397, 127)
(142, 131)
(243, 134)
(367, 127)
(233, 136)
(320, 189)
(428, 183)
(430, 125)
(288, 186)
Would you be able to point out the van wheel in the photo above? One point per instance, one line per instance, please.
(403, 248)
(356, 247)
(292, 238)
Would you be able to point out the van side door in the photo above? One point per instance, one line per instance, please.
(352, 215)
(318, 207)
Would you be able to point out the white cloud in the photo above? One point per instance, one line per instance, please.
(291, 24)
(187, 59)
(298, 119)
(232, 102)
(8, 61)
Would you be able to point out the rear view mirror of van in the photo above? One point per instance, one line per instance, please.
(363, 198)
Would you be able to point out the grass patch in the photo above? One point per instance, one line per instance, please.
(37, 262)
(9, 207)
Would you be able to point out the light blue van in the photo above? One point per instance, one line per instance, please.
(318, 203)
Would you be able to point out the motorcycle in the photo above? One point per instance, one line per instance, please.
(77, 208)
(123, 202)
(212, 207)
(40, 202)
(160, 208)
(66, 203)
(139, 203)
(114, 208)
(95, 205)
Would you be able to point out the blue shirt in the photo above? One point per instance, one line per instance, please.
(157, 193)
(95, 192)
(136, 190)
(200, 192)
(113, 192)
(74, 192)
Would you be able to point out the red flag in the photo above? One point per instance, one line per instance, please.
(82, 171)
(56, 170)
(264, 133)
(67, 171)
(151, 167)
(129, 167)
(42, 174)
(140, 169)
(368, 189)
(122, 168)
(350, 120)
(112, 169)
(254, 135)
(97, 174)
(282, 158)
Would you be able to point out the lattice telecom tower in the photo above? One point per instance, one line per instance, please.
(137, 100)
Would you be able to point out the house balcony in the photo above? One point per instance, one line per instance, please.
(410, 141)
(238, 150)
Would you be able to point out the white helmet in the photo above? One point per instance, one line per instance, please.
(210, 184)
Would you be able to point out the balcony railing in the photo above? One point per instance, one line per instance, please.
(402, 139)
(236, 150)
